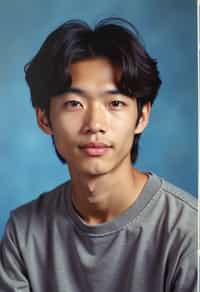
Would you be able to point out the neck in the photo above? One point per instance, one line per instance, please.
(101, 198)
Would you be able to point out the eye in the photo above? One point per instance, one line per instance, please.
(117, 104)
(73, 104)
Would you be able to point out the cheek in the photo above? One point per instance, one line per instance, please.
(124, 126)
(124, 132)
(67, 126)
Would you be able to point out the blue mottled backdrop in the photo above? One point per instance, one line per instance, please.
(169, 145)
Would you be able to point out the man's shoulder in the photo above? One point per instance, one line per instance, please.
(45, 205)
(177, 207)
(178, 196)
(171, 215)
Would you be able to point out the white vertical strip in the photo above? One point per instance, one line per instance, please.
(198, 88)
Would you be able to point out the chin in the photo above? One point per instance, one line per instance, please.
(94, 168)
(96, 165)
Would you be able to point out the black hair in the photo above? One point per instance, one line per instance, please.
(116, 39)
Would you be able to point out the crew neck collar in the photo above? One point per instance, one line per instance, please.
(151, 188)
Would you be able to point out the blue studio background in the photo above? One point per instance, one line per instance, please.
(169, 144)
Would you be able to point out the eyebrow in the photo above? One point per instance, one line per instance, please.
(84, 93)
(76, 90)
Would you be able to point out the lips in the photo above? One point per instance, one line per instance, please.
(95, 145)
(95, 149)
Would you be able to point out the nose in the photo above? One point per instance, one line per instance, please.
(95, 120)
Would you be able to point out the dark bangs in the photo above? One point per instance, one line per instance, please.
(48, 74)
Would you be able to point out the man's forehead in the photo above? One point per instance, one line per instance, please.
(93, 68)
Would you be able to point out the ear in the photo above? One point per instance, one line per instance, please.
(144, 118)
(42, 121)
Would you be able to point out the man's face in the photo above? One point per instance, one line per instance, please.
(93, 124)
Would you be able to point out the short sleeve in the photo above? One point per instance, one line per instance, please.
(13, 277)
(185, 278)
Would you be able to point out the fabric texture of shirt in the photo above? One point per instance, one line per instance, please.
(149, 247)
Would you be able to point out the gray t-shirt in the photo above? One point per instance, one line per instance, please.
(150, 247)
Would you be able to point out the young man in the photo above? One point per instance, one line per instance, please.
(111, 228)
